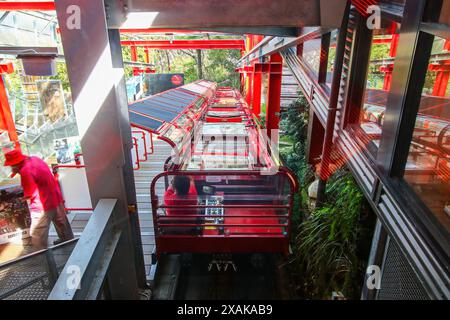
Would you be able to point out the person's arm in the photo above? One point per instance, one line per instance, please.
(28, 184)
(168, 195)
(192, 188)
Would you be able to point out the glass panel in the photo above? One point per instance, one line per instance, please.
(42, 112)
(331, 56)
(428, 166)
(202, 88)
(368, 122)
(222, 205)
(231, 146)
(311, 54)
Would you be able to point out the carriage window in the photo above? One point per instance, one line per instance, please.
(428, 166)
(369, 120)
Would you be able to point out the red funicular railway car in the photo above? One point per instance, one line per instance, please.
(242, 196)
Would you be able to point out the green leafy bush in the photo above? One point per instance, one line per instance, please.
(293, 145)
(326, 245)
(331, 243)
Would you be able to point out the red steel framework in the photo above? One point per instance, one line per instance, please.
(186, 44)
(6, 117)
(27, 5)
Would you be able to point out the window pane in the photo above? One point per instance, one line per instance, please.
(43, 115)
(331, 56)
(311, 54)
(379, 75)
(428, 166)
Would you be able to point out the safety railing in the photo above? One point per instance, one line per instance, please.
(148, 147)
(141, 147)
(136, 160)
(33, 276)
(312, 90)
(243, 220)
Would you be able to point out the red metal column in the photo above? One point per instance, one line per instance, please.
(389, 68)
(134, 58)
(274, 93)
(147, 56)
(248, 75)
(443, 74)
(248, 95)
(147, 60)
(256, 101)
(6, 117)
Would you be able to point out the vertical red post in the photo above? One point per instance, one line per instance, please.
(248, 76)
(134, 58)
(147, 56)
(147, 60)
(248, 96)
(441, 82)
(6, 117)
(389, 68)
(274, 93)
(256, 103)
(442, 75)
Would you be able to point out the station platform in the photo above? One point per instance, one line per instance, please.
(143, 177)
(79, 219)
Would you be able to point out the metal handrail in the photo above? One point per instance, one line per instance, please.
(145, 144)
(138, 164)
(35, 253)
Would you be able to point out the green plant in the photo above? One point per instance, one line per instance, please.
(326, 246)
(330, 243)
(293, 137)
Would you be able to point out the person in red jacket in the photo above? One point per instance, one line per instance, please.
(182, 192)
(43, 196)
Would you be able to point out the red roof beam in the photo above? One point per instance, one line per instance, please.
(179, 47)
(27, 5)
(163, 30)
(186, 44)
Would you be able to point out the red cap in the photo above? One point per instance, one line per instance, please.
(13, 157)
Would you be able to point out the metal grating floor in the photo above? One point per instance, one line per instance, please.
(31, 277)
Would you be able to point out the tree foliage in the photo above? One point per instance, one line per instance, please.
(330, 244)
